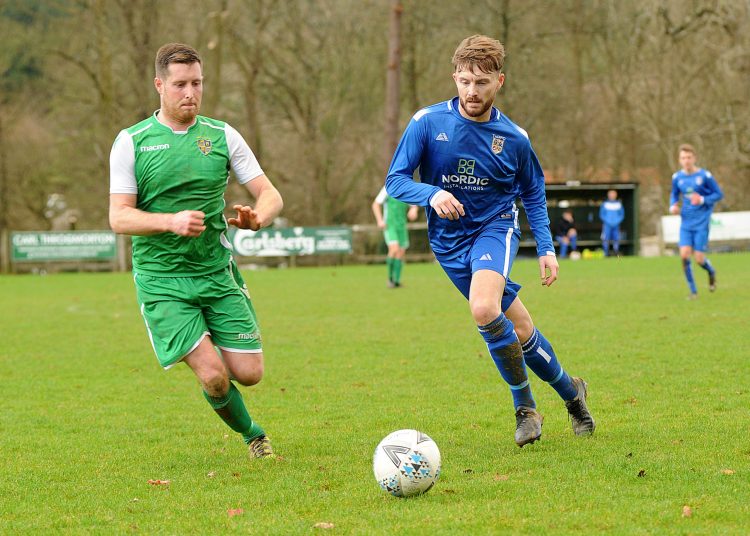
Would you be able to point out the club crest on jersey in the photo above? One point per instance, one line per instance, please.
(497, 143)
(699, 181)
(204, 144)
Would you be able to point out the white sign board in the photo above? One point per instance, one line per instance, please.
(724, 226)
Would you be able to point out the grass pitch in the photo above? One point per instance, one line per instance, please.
(89, 418)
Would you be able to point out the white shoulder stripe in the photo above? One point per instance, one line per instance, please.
(144, 128)
(420, 114)
(210, 125)
(522, 131)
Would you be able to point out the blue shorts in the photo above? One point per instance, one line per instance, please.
(611, 232)
(493, 249)
(696, 239)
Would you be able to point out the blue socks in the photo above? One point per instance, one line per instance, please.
(708, 267)
(507, 354)
(541, 358)
(686, 266)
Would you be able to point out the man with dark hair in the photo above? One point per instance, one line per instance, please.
(168, 175)
(473, 163)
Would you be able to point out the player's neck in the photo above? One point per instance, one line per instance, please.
(175, 124)
(690, 170)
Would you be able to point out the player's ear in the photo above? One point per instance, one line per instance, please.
(159, 85)
(501, 78)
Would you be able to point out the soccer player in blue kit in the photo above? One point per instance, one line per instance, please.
(700, 192)
(611, 213)
(473, 163)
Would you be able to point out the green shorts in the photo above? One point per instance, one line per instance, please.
(180, 311)
(397, 234)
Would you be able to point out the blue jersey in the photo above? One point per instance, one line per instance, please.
(485, 165)
(695, 217)
(612, 213)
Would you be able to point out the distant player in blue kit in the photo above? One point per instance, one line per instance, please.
(473, 163)
(611, 213)
(700, 192)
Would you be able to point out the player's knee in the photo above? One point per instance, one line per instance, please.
(250, 375)
(484, 311)
(215, 382)
(523, 327)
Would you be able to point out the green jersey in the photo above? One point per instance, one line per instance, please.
(394, 211)
(174, 171)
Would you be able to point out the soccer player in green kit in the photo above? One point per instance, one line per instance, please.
(168, 175)
(390, 215)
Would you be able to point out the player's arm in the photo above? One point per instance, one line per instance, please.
(124, 217)
(268, 201)
(531, 182)
(400, 180)
(715, 194)
(268, 205)
(674, 196)
(377, 207)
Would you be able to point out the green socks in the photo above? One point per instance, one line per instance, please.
(231, 408)
(389, 264)
(397, 265)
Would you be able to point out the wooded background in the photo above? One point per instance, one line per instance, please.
(607, 89)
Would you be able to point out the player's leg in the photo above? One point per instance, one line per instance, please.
(219, 391)
(686, 251)
(615, 238)
(699, 253)
(231, 319)
(402, 235)
(564, 243)
(605, 239)
(497, 330)
(542, 360)
(573, 239)
(392, 243)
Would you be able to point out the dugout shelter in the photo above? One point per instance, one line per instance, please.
(584, 200)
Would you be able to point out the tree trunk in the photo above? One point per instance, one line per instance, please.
(393, 72)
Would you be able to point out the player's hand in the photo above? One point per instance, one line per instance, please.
(381, 225)
(447, 206)
(548, 269)
(413, 213)
(187, 223)
(696, 199)
(674, 209)
(246, 218)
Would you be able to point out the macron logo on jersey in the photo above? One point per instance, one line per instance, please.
(149, 148)
(442, 137)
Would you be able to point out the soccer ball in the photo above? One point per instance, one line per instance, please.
(406, 463)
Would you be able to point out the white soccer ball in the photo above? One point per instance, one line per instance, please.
(406, 463)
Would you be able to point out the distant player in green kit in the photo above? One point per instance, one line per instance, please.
(168, 175)
(390, 215)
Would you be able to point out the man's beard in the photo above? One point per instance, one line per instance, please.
(183, 115)
(485, 106)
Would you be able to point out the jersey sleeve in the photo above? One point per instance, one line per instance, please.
(531, 181)
(382, 196)
(715, 194)
(400, 182)
(242, 160)
(122, 165)
(674, 196)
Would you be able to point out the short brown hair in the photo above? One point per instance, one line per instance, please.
(174, 53)
(687, 148)
(481, 51)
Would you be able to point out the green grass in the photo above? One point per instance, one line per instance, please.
(88, 416)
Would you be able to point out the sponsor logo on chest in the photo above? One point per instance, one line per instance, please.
(149, 148)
